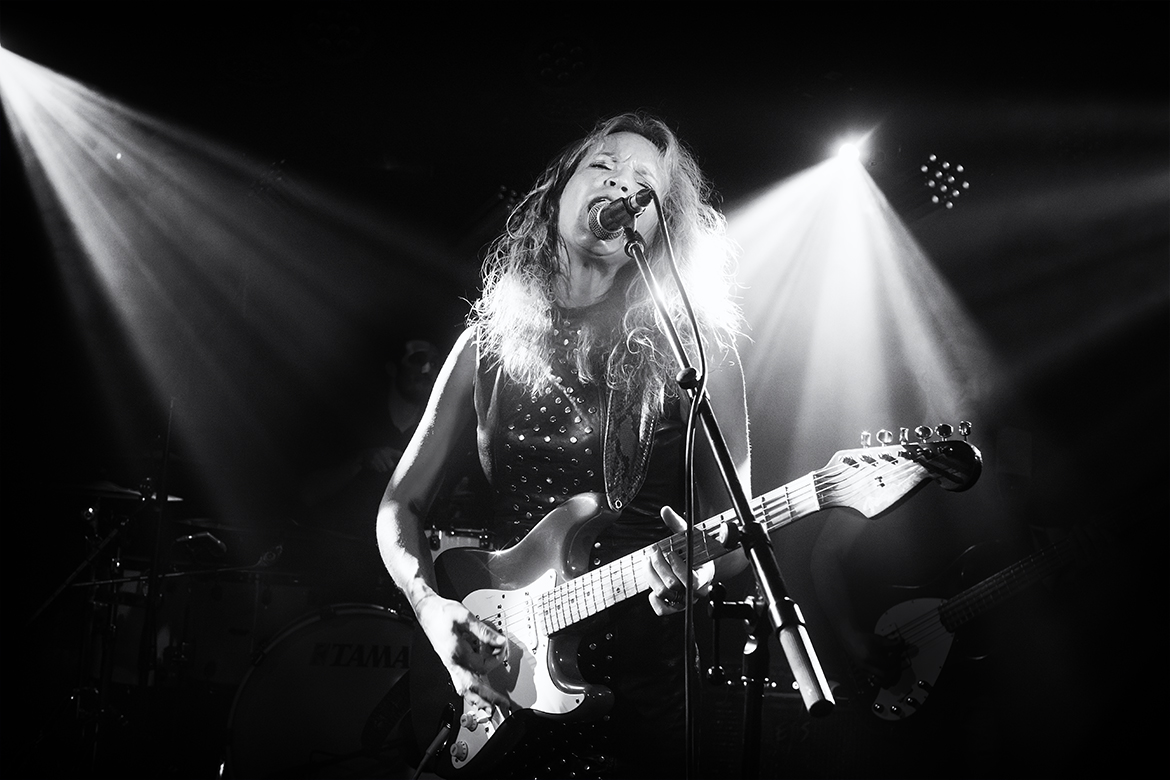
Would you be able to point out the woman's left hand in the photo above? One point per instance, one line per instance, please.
(668, 573)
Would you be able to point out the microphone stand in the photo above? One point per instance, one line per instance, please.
(773, 605)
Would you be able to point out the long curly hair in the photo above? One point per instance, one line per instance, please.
(515, 315)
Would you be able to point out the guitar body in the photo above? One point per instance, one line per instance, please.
(927, 625)
(541, 594)
(923, 661)
(539, 671)
(917, 621)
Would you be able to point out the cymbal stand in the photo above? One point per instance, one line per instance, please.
(89, 700)
(85, 564)
(148, 652)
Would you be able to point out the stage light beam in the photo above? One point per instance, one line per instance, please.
(852, 328)
(231, 303)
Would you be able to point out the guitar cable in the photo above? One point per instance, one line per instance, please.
(446, 725)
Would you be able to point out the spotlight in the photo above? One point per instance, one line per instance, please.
(849, 151)
(942, 178)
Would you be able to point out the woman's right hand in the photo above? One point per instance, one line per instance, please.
(468, 647)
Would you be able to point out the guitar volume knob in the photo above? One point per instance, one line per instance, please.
(459, 751)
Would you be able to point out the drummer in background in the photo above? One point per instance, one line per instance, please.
(411, 376)
(338, 498)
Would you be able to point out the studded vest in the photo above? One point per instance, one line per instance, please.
(539, 449)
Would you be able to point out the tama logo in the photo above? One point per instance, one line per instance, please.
(338, 654)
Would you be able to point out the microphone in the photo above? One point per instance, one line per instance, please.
(607, 218)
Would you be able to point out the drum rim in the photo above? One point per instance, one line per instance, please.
(319, 614)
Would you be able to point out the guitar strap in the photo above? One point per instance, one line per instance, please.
(627, 437)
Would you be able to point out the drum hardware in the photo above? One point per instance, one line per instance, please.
(123, 521)
(210, 540)
(89, 704)
(111, 592)
(205, 631)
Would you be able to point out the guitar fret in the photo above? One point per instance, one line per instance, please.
(782, 506)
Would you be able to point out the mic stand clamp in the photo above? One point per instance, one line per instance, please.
(756, 665)
(778, 609)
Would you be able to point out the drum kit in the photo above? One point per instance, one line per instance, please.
(305, 684)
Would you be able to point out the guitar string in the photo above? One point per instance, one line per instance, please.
(788, 495)
(563, 614)
(926, 629)
(627, 571)
(811, 487)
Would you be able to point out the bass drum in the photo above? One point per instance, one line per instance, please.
(327, 698)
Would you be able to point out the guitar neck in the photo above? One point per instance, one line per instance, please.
(999, 587)
(626, 577)
(867, 480)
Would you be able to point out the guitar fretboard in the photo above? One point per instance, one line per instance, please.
(619, 580)
(867, 480)
(969, 604)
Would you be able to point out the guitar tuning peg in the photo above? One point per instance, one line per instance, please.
(885, 437)
(964, 429)
(866, 439)
(945, 431)
(923, 432)
(903, 435)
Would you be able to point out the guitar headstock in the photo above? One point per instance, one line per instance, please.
(872, 479)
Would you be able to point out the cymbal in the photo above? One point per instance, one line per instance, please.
(210, 522)
(104, 488)
(247, 528)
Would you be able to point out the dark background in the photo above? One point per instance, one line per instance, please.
(432, 115)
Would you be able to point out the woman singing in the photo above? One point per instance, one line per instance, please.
(570, 385)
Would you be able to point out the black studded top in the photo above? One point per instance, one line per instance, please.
(547, 448)
(544, 448)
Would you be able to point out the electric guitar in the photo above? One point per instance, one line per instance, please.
(538, 591)
(927, 626)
